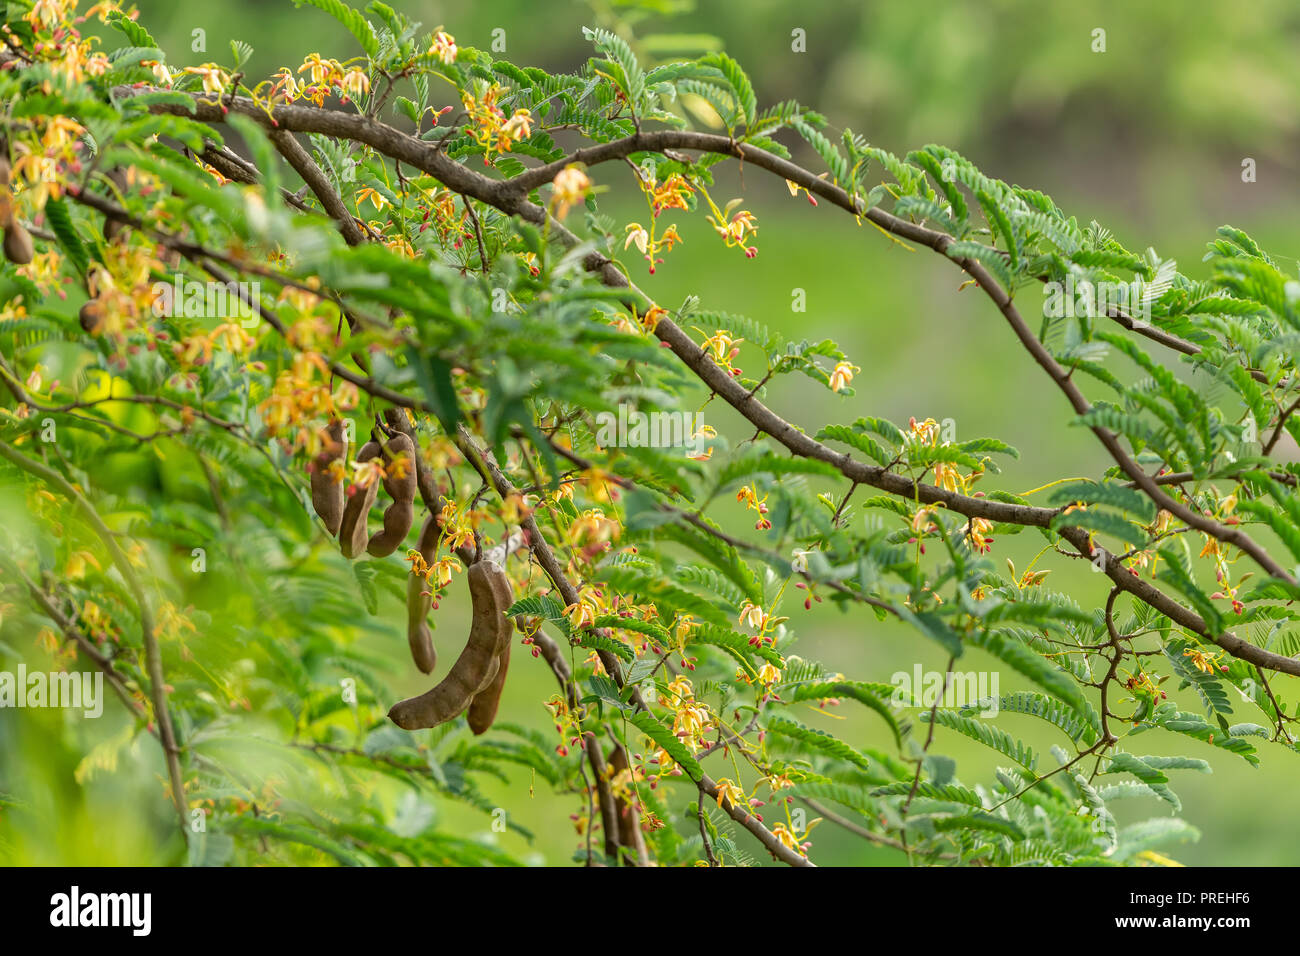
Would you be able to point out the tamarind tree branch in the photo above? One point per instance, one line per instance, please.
(1109, 440)
(798, 442)
(551, 565)
(510, 197)
(315, 178)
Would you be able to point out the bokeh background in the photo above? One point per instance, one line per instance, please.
(1147, 137)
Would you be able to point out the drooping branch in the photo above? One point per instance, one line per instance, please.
(503, 195)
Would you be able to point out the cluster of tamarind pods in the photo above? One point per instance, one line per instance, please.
(475, 681)
(18, 247)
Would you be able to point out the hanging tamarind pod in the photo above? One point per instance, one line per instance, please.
(18, 244)
(327, 497)
(419, 599)
(490, 597)
(399, 515)
(353, 533)
(483, 708)
(91, 316)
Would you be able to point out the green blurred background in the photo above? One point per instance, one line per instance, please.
(1148, 138)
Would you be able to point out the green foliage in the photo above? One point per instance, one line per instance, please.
(486, 305)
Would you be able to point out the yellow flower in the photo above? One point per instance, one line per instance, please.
(46, 13)
(365, 192)
(637, 234)
(580, 614)
(355, 83)
(60, 131)
(366, 473)
(782, 833)
(921, 520)
(734, 230)
(161, 73)
(701, 435)
(753, 615)
(1202, 661)
(215, 79)
(730, 792)
(723, 346)
(571, 185)
(842, 376)
(518, 126)
(795, 189)
(455, 534)
(593, 528)
(680, 690)
(76, 566)
(445, 567)
(444, 47)
(980, 529)
(318, 68)
(652, 316)
(671, 194)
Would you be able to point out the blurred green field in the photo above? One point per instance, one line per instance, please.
(1147, 138)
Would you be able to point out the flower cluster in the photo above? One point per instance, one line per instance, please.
(734, 227)
(490, 126)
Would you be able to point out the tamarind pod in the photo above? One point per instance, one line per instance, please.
(6, 171)
(91, 316)
(6, 208)
(477, 665)
(483, 708)
(18, 244)
(419, 598)
(352, 529)
(327, 486)
(400, 515)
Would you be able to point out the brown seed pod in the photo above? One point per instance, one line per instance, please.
(6, 172)
(419, 598)
(18, 244)
(399, 516)
(91, 316)
(489, 632)
(483, 708)
(326, 484)
(6, 208)
(352, 529)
